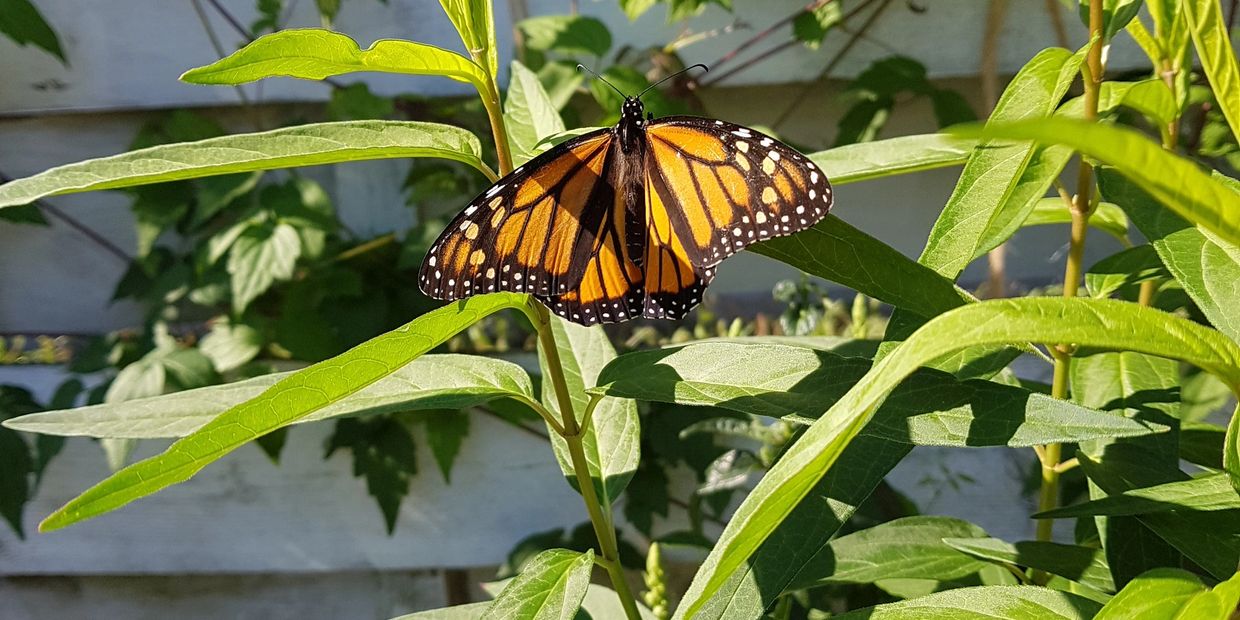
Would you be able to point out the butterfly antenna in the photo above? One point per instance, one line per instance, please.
(703, 67)
(581, 67)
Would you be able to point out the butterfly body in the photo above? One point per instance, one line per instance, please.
(628, 221)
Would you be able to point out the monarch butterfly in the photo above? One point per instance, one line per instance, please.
(628, 221)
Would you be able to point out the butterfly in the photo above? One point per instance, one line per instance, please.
(628, 221)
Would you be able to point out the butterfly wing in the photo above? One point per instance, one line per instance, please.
(674, 284)
(533, 231)
(723, 186)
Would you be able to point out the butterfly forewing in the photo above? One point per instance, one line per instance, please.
(725, 186)
(534, 231)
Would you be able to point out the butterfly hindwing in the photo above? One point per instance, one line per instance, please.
(725, 186)
(534, 231)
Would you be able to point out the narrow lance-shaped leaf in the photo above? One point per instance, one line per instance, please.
(1095, 323)
(1081, 564)
(1206, 493)
(895, 156)
(1176, 182)
(529, 113)
(434, 381)
(475, 22)
(993, 194)
(293, 398)
(305, 145)
(929, 408)
(1213, 42)
(314, 54)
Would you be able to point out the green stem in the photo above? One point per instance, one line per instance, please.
(1080, 207)
(490, 101)
(573, 435)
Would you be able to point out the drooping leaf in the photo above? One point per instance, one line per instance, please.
(314, 54)
(305, 145)
(293, 398)
(985, 603)
(1097, 323)
(551, 586)
(1174, 181)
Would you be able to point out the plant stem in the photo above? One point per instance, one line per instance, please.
(490, 100)
(1048, 497)
(573, 435)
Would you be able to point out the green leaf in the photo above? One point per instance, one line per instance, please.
(383, 452)
(1126, 268)
(1206, 493)
(21, 22)
(436, 381)
(891, 157)
(838, 252)
(551, 586)
(468, 611)
(985, 603)
(1209, 539)
(1218, 57)
(16, 462)
(612, 443)
(1170, 594)
(1115, 15)
(355, 102)
(571, 35)
(811, 26)
(24, 214)
(1204, 264)
(635, 8)
(1174, 181)
(1107, 217)
(262, 254)
(529, 114)
(908, 548)
(305, 145)
(1152, 98)
(1001, 182)
(1202, 444)
(294, 397)
(315, 54)
(1082, 564)
(475, 22)
(929, 408)
(1095, 323)
(229, 346)
(445, 431)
